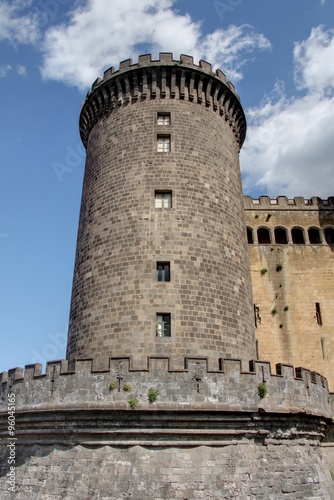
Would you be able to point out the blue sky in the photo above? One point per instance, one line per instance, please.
(278, 53)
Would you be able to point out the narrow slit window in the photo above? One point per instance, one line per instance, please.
(318, 313)
(163, 271)
(250, 236)
(163, 144)
(323, 348)
(163, 119)
(163, 325)
(257, 317)
(163, 199)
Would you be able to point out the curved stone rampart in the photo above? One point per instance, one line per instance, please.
(163, 78)
(284, 203)
(196, 387)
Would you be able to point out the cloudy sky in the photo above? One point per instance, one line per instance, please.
(278, 53)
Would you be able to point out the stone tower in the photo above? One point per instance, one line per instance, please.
(160, 397)
(162, 191)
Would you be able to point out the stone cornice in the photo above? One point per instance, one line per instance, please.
(164, 78)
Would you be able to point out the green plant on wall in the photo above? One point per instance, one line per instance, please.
(274, 311)
(127, 388)
(133, 402)
(262, 390)
(286, 308)
(264, 271)
(279, 267)
(112, 385)
(152, 395)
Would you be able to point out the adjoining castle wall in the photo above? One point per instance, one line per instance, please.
(293, 283)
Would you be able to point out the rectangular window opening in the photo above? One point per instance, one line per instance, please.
(163, 119)
(163, 199)
(323, 348)
(163, 144)
(257, 317)
(318, 313)
(163, 325)
(163, 271)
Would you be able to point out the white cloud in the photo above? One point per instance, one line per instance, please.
(4, 70)
(314, 61)
(290, 148)
(21, 70)
(230, 48)
(95, 36)
(16, 26)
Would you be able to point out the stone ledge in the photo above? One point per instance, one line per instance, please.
(124, 428)
(284, 203)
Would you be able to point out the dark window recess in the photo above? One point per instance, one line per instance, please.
(314, 236)
(163, 271)
(263, 236)
(297, 235)
(250, 235)
(323, 348)
(318, 313)
(163, 328)
(257, 317)
(280, 236)
(329, 235)
(257, 349)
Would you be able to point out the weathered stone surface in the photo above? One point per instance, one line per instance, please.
(122, 236)
(293, 334)
(146, 473)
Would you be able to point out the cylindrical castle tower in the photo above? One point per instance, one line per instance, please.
(162, 260)
(162, 288)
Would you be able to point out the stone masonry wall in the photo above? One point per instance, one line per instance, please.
(245, 472)
(122, 235)
(288, 328)
(208, 435)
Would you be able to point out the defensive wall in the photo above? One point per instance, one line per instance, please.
(206, 434)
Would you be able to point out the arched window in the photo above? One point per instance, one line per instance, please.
(329, 235)
(280, 236)
(250, 235)
(297, 234)
(314, 236)
(263, 236)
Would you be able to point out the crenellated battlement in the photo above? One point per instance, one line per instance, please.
(164, 78)
(165, 59)
(228, 388)
(284, 203)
